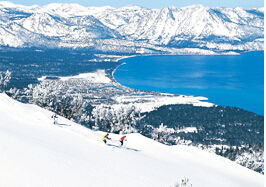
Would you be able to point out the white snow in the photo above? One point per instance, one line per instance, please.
(12, 5)
(188, 129)
(96, 77)
(42, 78)
(34, 152)
(132, 28)
(147, 103)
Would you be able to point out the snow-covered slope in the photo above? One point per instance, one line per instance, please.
(132, 27)
(174, 24)
(34, 152)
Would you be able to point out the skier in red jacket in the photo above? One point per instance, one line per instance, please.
(122, 140)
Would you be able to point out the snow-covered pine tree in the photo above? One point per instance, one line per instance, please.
(4, 80)
(116, 119)
(59, 97)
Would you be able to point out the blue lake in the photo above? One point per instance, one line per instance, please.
(227, 80)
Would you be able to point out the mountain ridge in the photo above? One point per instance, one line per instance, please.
(165, 30)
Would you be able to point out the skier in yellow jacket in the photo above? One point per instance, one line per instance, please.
(105, 138)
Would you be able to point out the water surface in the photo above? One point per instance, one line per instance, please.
(228, 80)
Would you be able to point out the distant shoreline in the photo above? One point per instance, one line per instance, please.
(123, 63)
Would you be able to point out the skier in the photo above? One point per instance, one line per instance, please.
(105, 138)
(122, 139)
(54, 116)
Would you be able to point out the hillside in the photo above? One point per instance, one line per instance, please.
(132, 29)
(34, 152)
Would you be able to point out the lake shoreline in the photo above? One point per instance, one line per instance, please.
(169, 92)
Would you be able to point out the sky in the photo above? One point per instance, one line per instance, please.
(151, 3)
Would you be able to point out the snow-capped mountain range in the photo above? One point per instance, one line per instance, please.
(132, 28)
